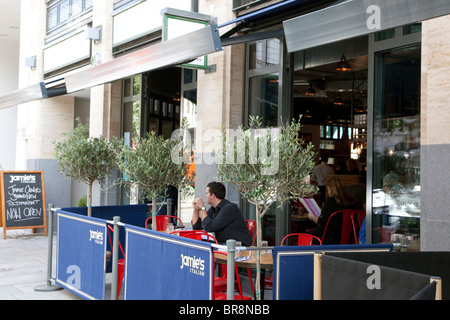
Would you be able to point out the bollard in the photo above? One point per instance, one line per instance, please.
(115, 258)
(231, 247)
(49, 286)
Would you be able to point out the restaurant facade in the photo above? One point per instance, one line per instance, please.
(386, 108)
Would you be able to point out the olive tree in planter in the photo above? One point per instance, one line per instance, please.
(86, 159)
(266, 165)
(153, 163)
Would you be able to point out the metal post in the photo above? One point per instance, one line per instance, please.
(115, 258)
(231, 247)
(49, 286)
(169, 206)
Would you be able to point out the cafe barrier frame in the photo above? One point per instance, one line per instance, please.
(82, 245)
(231, 250)
(345, 279)
(165, 266)
(49, 286)
(425, 262)
(81, 254)
(293, 268)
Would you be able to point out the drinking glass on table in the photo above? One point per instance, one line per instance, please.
(264, 244)
(238, 252)
(169, 227)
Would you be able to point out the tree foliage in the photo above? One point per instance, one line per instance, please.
(153, 163)
(85, 159)
(267, 165)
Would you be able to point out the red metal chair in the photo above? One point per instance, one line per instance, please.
(268, 282)
(162, 221)
(196, 235)
(358, 218)
(303, 239)
(218, 289)
(382, 234)
(251, 225)
(120, 263)
(348, 233)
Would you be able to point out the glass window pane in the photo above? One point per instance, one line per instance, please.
(256, 56)
(127, 87)
(328, 132)
(153, 125)
(136, 85)
(166, 129)
(385, 34)
(264, 53)
(64, 11)
(336, 132)
(264, 98)
(52, 17)
(77, 7)
(412, 28)
(273, 52)
(396, 153)
(188, 76)
(87, 4)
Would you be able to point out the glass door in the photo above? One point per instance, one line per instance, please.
(263, 98)
(396, 146)
(131, 125)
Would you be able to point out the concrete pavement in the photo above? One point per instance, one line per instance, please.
(23, 266)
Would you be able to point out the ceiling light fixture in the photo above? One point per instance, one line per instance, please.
(310, 91)
(307, 114)
(343, 65)
(338, 101)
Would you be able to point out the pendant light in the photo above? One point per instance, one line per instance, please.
(338, 101)
(343, 65)
(307, 114)
(310, 91)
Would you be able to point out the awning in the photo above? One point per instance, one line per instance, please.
(269, 11)
(37, 91)
(356, 18)
(262, 15)
(172, 52)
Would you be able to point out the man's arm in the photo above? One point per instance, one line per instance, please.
(198, 215)
(226, 215)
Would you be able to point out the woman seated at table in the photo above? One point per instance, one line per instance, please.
(337, 199)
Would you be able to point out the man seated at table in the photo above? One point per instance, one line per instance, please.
(223, 217)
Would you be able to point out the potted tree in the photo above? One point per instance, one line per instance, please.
(86, 159)
(266, 165)
(153, 163)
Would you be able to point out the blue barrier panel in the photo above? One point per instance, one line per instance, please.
(293, 268)
(162, 266)
(81, 254)
(131, 214)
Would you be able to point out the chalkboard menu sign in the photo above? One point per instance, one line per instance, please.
(22, 198)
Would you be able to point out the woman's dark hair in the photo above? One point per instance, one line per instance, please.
(217, 189)
(342, 196)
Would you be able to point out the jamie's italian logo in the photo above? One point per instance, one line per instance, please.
(195, 265)
(23, 178)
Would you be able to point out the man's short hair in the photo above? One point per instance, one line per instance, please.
(218, 189)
